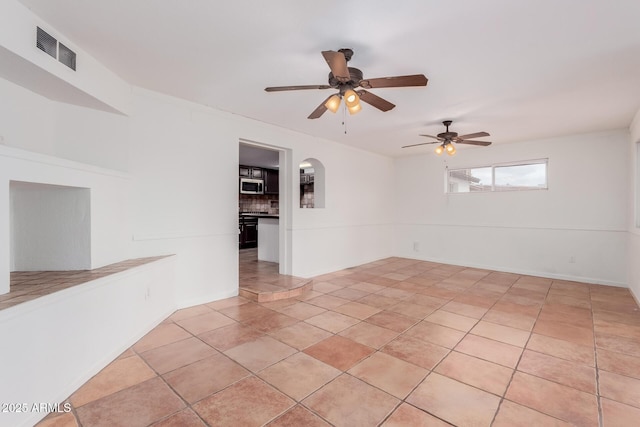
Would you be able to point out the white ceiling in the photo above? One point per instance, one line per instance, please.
(517, 69)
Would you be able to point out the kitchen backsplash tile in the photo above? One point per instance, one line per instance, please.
(259, 203)
(306, 196)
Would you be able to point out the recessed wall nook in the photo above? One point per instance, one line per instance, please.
(50, 227)
(312, 184)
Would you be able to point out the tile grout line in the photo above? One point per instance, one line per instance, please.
(403, 400)
(255, 374)
(187, 404)
(450, 350)
(595, 357)
(515, 368)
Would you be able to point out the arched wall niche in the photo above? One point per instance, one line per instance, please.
(312, 184)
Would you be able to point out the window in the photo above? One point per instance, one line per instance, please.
(527, 175)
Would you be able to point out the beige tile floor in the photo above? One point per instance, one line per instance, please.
(396, 342)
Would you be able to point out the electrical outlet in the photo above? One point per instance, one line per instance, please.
(572, 259)
(416, 246)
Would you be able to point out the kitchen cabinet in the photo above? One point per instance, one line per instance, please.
(251, 172)
(306, 178)
(248, 232)
(271, 181)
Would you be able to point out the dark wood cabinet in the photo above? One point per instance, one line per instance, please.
(271, 181)
(248, 232)
(250, 172)
(306, 178)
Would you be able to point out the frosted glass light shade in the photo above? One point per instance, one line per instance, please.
(333, 103)
(355, 109)
(351, 98)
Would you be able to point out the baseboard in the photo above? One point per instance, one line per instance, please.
(570, 278)
(204, 299)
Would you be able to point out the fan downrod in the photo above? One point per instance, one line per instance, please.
(348, 53)
(447, 136)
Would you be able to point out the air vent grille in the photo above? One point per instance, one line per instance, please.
(67, 56)
(46, 43)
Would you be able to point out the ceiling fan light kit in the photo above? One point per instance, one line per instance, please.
(351, 101)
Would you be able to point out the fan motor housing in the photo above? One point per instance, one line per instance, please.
(355, 77)
(448, 135)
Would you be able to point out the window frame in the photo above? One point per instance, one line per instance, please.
(494, 166)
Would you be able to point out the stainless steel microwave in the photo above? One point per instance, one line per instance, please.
(251, 186)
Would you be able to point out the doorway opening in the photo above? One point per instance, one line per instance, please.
(264, 207)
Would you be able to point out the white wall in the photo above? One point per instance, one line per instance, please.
(633, 250)
(50, 227)
(90, 136)
(26, 119)
(31, 122)
(184, 195)
(583, 214)
(354, 227)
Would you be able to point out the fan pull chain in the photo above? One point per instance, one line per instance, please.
(344, 118)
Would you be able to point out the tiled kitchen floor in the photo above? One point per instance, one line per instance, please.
(260, 281)
(396, 342)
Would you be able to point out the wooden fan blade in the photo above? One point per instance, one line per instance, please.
(472, 135)
(338, 64)
(466, 141)
(396, 81)
(431, 136)
(320, 110)
(422, 143)
(303, 87)
(375, 100)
